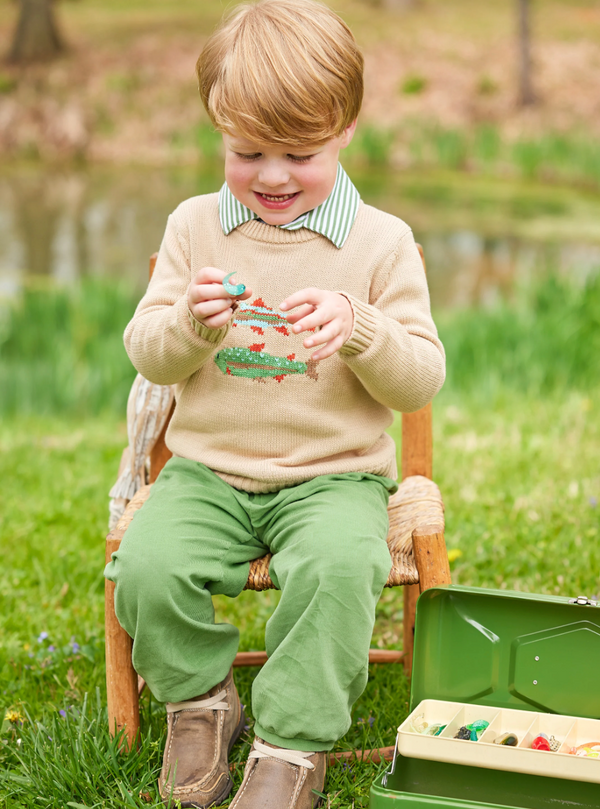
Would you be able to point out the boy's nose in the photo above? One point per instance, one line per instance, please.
(273, 175)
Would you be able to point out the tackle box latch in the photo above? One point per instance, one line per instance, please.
(583, 601)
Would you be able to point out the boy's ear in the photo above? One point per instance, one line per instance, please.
(348, 134)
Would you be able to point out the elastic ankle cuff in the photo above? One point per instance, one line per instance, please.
(291, 744)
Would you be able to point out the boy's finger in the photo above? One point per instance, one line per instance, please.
(216, 321)
(317, 318)
(329, 349)
(310, 295)
(303, 311)
(209, 275)
(207, 308)
(207, 292)
(327, 333)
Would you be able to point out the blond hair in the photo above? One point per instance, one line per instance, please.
(282, 71)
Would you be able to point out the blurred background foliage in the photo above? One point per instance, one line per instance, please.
(121, 85)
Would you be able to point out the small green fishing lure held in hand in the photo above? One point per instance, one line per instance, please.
(233, 289)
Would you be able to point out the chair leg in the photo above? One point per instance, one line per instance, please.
(432, 563)
(121, 678)
(411, 593)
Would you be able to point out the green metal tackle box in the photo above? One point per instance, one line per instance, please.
(527, 664)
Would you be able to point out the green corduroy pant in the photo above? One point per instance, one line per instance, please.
(194, 538)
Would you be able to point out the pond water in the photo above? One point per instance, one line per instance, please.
(481, 237)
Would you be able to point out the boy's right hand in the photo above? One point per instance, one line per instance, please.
(208, 301)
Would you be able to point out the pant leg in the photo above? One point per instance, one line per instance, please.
(191, 539)
(331, 562)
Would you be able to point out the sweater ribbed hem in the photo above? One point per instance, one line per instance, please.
(386, 468)
(364, 327)
(210, 335)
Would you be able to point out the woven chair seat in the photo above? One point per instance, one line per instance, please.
(417, 502)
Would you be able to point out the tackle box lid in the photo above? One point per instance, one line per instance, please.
(507, 649)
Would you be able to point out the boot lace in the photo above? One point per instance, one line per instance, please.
(213, 703)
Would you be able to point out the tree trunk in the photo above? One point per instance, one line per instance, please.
(36, 36)
(526, 93)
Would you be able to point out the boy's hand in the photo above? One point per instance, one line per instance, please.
(329, 310)
(208, 301)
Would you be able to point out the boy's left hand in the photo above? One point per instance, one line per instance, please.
(329, 310)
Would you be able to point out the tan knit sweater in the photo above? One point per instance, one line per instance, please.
(250, 403)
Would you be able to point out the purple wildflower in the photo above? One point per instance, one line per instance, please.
(63, 713)
(51, 648)
(593, 502)
(371, 721)
(43, 636)
(75, 646)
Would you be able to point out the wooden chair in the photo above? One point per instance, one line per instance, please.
(415, 540)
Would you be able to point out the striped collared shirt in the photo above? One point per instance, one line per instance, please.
(333, 218)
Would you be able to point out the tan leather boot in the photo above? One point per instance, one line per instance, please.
(276, 778)
(201, 733)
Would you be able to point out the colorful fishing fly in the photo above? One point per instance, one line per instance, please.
(233, 289)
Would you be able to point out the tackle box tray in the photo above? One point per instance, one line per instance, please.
(569, 731)
(525, 663)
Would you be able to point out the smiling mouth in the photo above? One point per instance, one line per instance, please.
(276, 201)
(278, 197)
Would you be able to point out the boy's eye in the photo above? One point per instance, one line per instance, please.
(254, 156)
(300, 158)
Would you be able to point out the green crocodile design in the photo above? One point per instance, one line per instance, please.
(255, 364)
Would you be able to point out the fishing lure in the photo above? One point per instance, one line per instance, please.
(540, 743)
(233, 289)
(477, 729)
(418, 724)
(463, 733)
(473, 731)
(509, 739)
(587, 750)
(434, 730)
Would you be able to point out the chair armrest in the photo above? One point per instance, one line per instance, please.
(136, 502)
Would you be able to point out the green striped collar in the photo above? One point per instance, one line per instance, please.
(333, 218)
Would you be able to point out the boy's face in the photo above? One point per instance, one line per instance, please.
(280, 183)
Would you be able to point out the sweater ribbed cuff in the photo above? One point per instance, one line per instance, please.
(211, 335)
(363, 331)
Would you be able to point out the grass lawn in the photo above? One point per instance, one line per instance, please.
(521, 485)
(517, 441)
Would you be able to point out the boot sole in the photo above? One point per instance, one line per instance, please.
(220, 798)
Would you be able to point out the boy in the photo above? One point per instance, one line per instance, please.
(283, 396)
